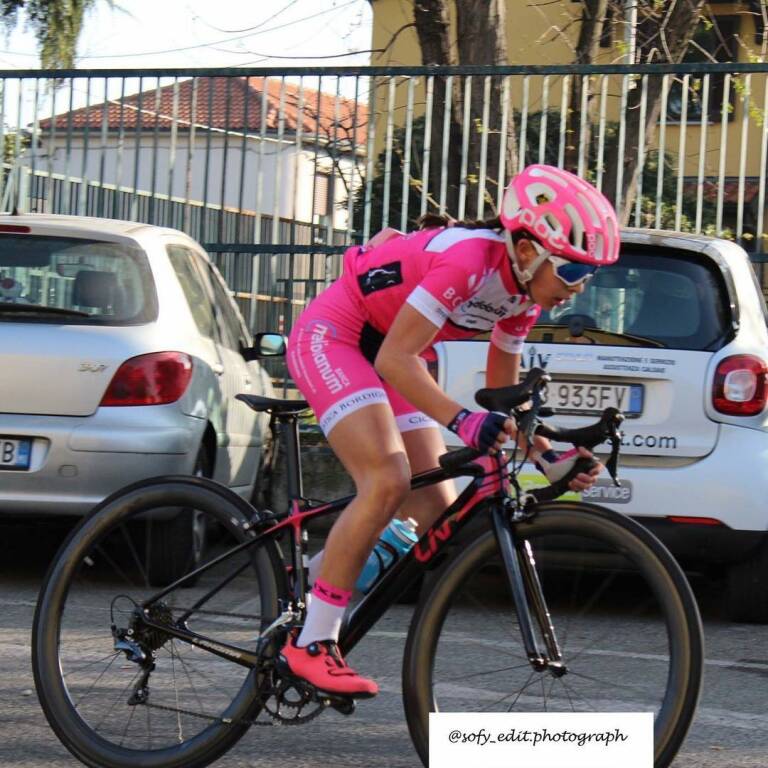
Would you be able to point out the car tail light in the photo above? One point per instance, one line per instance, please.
(155, 379)
(18, 229)
(739, 388)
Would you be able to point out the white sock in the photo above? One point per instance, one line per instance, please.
(324, 618)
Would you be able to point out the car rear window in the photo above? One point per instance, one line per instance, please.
(646, 298)
(74, 280)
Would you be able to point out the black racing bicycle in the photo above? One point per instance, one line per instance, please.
(529, 604)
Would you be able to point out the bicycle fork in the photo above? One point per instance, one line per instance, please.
(520, 567)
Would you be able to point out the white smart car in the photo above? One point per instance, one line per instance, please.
(675, 335)
(121, 352)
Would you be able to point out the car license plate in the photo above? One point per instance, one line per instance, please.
(591, 399)
(14, 453)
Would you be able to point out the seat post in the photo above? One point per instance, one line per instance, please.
(289, 432)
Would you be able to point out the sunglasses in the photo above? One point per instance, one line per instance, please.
(572, 273)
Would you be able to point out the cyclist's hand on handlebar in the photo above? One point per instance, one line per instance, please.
(555, 466)
(482, 430)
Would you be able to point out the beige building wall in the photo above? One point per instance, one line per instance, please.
(545, 34)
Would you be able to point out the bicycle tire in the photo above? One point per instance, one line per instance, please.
(557, 525)
(55, 636)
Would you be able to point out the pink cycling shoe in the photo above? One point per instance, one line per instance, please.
(321, 664)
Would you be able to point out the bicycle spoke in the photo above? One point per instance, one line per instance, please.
(487, 672)
(91, 663)
(93, 684)
(135, 555)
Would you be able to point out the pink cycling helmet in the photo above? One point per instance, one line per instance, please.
(567, 215)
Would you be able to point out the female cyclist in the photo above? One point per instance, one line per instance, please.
(358, 356)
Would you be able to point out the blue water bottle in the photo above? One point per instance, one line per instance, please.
(398, 537)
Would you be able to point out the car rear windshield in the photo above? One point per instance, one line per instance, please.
(74, 280)
(646, 299)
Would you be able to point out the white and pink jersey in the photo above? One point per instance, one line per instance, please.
(459, 279)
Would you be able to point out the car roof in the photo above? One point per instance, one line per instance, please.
(663, 237)
(83, 225)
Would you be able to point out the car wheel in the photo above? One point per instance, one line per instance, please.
(747, 588)
(177, 544)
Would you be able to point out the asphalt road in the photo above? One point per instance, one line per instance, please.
(730, 730)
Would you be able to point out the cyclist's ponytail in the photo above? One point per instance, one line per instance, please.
(433, 220)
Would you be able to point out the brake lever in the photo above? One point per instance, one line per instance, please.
(612, 465)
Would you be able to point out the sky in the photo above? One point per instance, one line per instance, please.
(201, 33)
(192, 33)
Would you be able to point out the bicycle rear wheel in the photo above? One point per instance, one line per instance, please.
(199, 704)
(623, 612)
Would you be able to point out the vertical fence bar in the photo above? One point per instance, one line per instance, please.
(406, 191)
(703, 152)
(427, 143)
(641, 151)
(66, 205)
(174, 141)
(103, 156)
(299, 156)
(192, 138)
(446, 143)
(257, 218)
(120, 150)
(279, 160)
(19, 192)
(155, 139)
(723, 146)
(746, 102)
(369, 159)
(662, 147)
(82, 198)
(208, 125)
(318, 113)
(225, 159)
(522, 148)
(503, 142)
(763, 161)
(334, 153)
(246, 86)
(601, 131)
(485, 127)
(681, 154)
(137, 158)
(582, 163)
(563, 119)
(622, 140)
(2, 141)
(544, 119)
(388, 151)
(48, 205)
(354, 173)
(465, 145)
(33, 145)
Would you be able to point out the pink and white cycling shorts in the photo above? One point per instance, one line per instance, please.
(329, 367)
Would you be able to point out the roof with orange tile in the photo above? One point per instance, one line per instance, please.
(232, 103)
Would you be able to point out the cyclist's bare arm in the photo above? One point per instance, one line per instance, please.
(399, 364)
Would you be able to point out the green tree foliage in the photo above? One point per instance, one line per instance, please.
(57, 25)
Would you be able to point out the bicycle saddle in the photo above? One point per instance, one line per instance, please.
(281, 407)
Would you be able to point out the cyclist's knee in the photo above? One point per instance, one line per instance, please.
(387, 485)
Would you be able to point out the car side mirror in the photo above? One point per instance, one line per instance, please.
(266, 345)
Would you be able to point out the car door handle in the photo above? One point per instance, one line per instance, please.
(217, 368)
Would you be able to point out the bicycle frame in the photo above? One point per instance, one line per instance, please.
(488, 489)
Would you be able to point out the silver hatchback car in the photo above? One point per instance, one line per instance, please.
(121, 352)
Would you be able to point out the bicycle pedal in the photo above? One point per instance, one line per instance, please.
(342, 704)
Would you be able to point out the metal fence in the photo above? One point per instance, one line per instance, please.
(276, 170)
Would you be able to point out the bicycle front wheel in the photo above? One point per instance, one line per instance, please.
(622, 610)
(120, 694)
